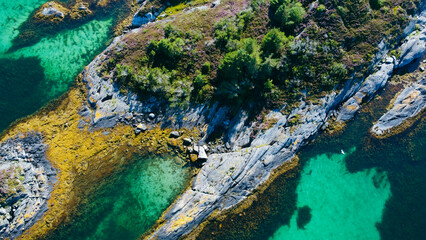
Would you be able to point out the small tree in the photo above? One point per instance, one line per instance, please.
(273, 43)
(376, 4)
(166, 52)
(288, 15)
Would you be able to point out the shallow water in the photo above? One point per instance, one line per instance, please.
(375, 192)
(129, 203)
(34, 75)
(13, 14)
(342, 205)
(64, 55)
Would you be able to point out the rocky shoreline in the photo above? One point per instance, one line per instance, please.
(235, 169)
(23, 159)
(408, 104)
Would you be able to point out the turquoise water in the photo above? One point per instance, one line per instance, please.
(64, 55)
(12, 15)
(34, 75)
(129, 203)
(342, 205)
(376, 190)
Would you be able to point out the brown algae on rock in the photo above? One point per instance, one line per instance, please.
(83, 157)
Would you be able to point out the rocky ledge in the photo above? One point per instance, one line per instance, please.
(410, 102)
(413, 47)
(26, 179)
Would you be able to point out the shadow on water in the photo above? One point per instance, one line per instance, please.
(20, 92)
(32, 31)
(400, 159)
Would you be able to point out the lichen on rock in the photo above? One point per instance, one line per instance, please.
(26, 179)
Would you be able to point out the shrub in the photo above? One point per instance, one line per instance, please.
(238, 70)
(269, 68)
(273, 42)
(289, 14)
(206, 68)
(336, 75)
(321, 8)
(224, 31)
(240, 64)
(200, 80)
(171, 31)
(338, 70)
(166, 52)
(376, 4)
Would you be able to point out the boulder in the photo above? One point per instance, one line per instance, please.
(142, 20)
(51, 11)
(187, 141)
(174, 134)
(202, 154)
(410, 102)
(140, 128)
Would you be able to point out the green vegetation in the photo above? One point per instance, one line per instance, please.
(376, 4)
(287, 13)
(238, 56)
(10, 182)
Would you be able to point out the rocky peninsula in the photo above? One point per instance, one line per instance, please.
(244, 162)
(100, 122)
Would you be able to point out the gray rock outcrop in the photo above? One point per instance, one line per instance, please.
(367, 90)
(415, 44)
(29, 184)
(413, 48)
(410, 102)
(52, 12)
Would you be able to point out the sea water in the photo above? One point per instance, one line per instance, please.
(12, 15)
(341, 205)
(376, 190)
(129, 203)
(32, 76)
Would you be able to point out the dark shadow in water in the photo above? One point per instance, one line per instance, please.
(32, 31)
(20, 93)
(303, 216)
(402, 157)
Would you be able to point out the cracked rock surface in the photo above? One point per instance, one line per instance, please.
(27, 179)
(410, 102)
